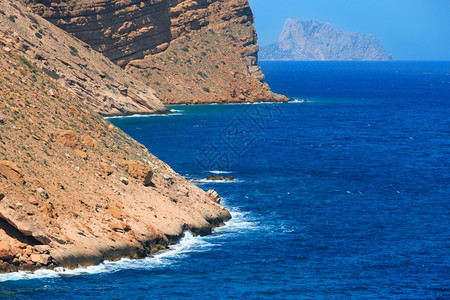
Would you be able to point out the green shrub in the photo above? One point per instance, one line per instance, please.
(73, 49)
(185, 49)
(28, 63)
(206, 89)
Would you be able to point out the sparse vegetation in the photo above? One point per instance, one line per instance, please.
(12, 18)
(185, 49)
(28, 63)
(38, 35)
(73, 49)
(206, 89)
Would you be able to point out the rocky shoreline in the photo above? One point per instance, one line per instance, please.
(75, 189)
(32, 258)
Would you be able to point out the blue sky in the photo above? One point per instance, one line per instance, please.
(408, 29)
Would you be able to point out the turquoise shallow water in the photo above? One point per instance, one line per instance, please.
(344, 196)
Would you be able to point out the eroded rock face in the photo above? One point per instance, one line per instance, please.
(139, 171)
(5, 251)
(60, 209)
(104, 86)
(189, 51)
(11, 171)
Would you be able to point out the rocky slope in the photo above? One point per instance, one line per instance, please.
(189, 51)
(99, 82)
(309, 40)
(74, 189)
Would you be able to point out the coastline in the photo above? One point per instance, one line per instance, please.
(76, 257)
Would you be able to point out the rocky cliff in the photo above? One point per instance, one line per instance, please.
(104, 86)
(309, 40)
(189, 51)
(74, 189)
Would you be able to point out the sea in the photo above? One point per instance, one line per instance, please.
(344, 196)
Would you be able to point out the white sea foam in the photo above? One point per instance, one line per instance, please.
(219, 172)
(189, 244)
(298, 101)
(202, 181)
(177, 113)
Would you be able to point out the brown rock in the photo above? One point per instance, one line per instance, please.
(119, 226)
(11, 171)
(139, 171)
(43, 193)
(212, 194)
(33, 200)
(38, 258)
(116, 212)
(90, 142)
(5, 251)
(106, 168)
(68, 138)
(124, 180)
(42, 248)
(81, 154)
(214, 177)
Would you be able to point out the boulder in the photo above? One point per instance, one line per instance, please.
(43, 259)
(5, 251)
(214, 177)
(90, 142)
(138, 170)
(212, 194)
(2, 120)
(81, 154)
(42, 248)
(68, 138)
(124, 180)
(229, 178)
(42, 192)
(11, 171)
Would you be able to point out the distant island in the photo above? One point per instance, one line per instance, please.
(310, 40)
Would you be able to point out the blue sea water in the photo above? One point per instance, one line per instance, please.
(345, 196)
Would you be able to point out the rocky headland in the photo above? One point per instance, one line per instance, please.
(310, 40)
(188, 51)
(76, 190)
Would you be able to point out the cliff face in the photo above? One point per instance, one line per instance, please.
(187, 50)
(74, 64)
(309, 40)
(74, 189)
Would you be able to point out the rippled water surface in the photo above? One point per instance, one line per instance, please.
(346, 195)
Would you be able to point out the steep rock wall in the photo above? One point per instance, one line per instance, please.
(104, 86)
(142, 36)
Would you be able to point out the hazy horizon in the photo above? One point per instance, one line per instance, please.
(413, 30)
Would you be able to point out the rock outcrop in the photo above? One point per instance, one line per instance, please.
(309, 40)
(188, 51)
(58, 208)
(104, 86)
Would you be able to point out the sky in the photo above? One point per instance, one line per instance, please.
(408, 29)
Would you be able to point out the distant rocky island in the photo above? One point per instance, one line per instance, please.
(310, 40)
